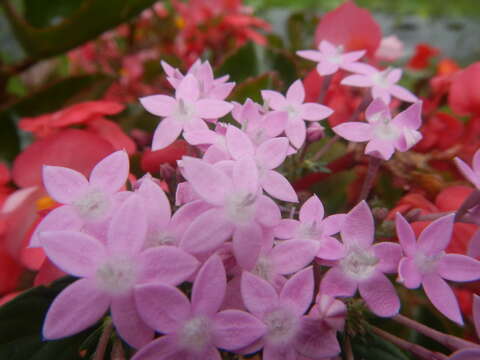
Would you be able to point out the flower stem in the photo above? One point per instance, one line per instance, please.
(325, 148)
(325, 85)
(373, 166)
(348, 348)
(450, 341)
(417, 350)
(117, 352)
(471, 201)
(104, 339)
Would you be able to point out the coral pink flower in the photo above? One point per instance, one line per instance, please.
(298, 111)
(110, 270)
(464, 96)
(384, 134)
(426, 263)
(364, 265)
(391, 49)
(194, 330)
(331, 58)
(471, 174)
(383, 83)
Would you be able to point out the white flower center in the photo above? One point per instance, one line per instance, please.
(292, 111)
(116, 275)
(184, 111)
(263, 268)
(282, 325)
(159, 238)
(195, 334)
(359, 263)
(383, 129)
(93, 205)
(309, 231)
(240, 208)
(427, 263)
(381, 78)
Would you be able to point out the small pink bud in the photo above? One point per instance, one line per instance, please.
(315, 132)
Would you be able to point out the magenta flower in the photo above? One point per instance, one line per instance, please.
(313, 228)
(473, 175)
(194, 330)
(331, 58)
(87, 202)
(384, 134)
(186, 111)
(427, 264)
(289, 333)
(472, 353)
(297, 110)
(110, 270)
(383, 83)
(364, 265)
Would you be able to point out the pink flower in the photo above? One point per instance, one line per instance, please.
(364, 265)
(297, 110)
(194, 330)
(186, 111)
(331, 58)
(425, 263)
(110, 270)
(391, 49)
(383, 83)
(237, 210)
(473, 353)
(289, 333)
(384, 134)
(87, 202)
(473, 175)
(314, 229)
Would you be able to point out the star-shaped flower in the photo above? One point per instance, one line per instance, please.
(471, 173)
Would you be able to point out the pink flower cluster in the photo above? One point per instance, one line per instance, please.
(253, 283)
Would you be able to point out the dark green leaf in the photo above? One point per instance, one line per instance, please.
(41, 13)
(251, 88)
(372, 347)
(241, 64)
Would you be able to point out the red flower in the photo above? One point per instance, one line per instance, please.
(440, 131)
(464, 96)
(422, 56)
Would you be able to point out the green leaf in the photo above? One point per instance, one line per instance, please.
(251, 88)
(21, 323)
(373, 347)
(241, 64)
(41, 13)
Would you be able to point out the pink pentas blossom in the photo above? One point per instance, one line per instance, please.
(315, 229)
(384, 134)
(391, 48)
(383, 83)
(186, 111)
(289, 333)
(238, 209)
(110, 269)
(472, 174)
(364, 265)
(194, 330)
(86, 202)
(471, 353)
(298, 111)
(426, 264)
(331, 58)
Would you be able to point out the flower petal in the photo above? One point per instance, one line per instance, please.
(238, 143)
(389, 255)
(380, 295)
(467, 171)
(377, 108)
(257, 294)
(212, 109)
(405, 235)
(354, 131)
(274, 99)
(313, 55)
(159, 105)
(327, 68)
(111, 173)
(330, 249)
(456, 267)
(163, 348)
(410, 118)
(267, 212)
(247, 242)
(315, 112)
(188, 89)
(296, 132)
(156, 203)
(62, 184)
(357, 80)
(436, 236)
(286, 228)
(358, 227)
(403, 94)
(298, 291)
(336, 283)
(316, 340)
(272, 153)
(245, 176)
(312, 210)
(409, 274)
(293, 255)
(277, 186)
(296, 92)
(166, 133)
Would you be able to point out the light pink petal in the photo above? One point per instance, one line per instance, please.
(379, 148)
(327, 48)
(128, 323)
(336, 283)
(279, 352)
(166, 133)
(474, 245)
(163, 307)
(267, 212)
(394, 76)
(277, 186)
(247, 242)
(209, 287)
(353, 56)
(212, 109)
(200, 137)
(238, 143)
(62, 218)
(410, 118)
(326, 67)
(456, 267)
(333, 223)
(195, 124)
(128, 227)
(298, 291)
(312, 210)
(293, 255)
(354, 131)
(245, 176)
(380, 295)
(208, 182)
(74, 252)
(75, 309)
(62, 184)
(315, 112)
(357, 80)
(358, 227)
(476, 161)
(403, 94)
(188, 89)
(286, 228)
(316, 340)
(296, 92)
(207, 232)
(166, 264)
(476, 313)
(275, 122)
(313, 55)
(163, 348)
(257, 294)
(381, 93)
(296, 132)
(467, 171)
(221, 91)
(436, 236)
(405, 235)
(159, 105)
(388, 254)
(185, 215)
(377, 108)
(330, 249)
(272, 153)
(274, 99)
(156, 204)
(409, 274)
(465, 354)
(235, 329)
(111, 173)
(442, 297)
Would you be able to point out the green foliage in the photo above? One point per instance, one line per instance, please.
(372, 347)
